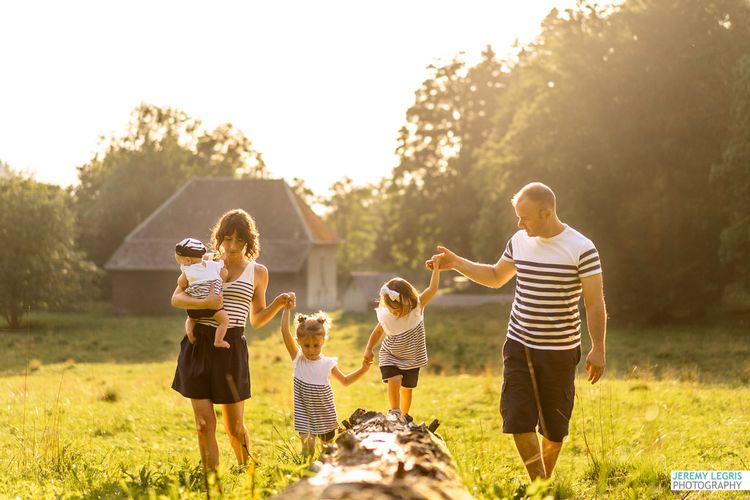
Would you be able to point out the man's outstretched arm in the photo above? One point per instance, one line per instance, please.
(493, 276)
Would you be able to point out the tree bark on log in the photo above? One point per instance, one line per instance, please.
(380, 457)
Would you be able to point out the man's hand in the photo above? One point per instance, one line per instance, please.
(443, 260)
(595, 365)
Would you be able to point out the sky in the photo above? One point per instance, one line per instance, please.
(321, 88)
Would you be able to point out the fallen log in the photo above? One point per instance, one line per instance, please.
(380, 457)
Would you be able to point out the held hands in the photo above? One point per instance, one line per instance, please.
(366, 364)
(368, 356)
(443, 260)
(595, 365)
(289, 300)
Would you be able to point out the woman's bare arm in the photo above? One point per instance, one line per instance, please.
(260, 314)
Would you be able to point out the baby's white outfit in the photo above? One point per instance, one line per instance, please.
(201, 276)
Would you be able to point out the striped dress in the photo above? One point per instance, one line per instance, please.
(238, 295)
(545, 312)
(405, 343)
(314, 411)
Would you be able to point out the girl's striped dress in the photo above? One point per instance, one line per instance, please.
(405, 345)
(314, 411)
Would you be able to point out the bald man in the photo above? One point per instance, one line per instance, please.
(554, 265)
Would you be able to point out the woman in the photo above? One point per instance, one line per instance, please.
(208, 375)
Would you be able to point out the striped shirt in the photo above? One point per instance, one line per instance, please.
(238, 296)
(405, 342)
(314, 410)
(545, 311)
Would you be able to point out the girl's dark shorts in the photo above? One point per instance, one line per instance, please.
(208, 372)
(409, 379)
(555, 374)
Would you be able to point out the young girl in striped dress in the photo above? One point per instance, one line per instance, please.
(314, 410)
(404, 349)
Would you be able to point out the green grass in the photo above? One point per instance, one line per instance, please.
(86, 409)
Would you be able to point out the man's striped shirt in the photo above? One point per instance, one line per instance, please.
(545, 311)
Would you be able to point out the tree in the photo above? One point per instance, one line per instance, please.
(431, 192)
(161, 149)
(355, 216)
(623, 111)
(39, 265)
(732, 176)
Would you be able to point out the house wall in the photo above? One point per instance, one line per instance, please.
(287, 282)
(321, 277)
(143, 292)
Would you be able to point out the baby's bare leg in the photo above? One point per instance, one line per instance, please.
(223, 318)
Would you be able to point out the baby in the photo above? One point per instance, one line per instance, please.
(199, 275)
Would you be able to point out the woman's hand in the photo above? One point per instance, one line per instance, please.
(214, 301)
(288, 299)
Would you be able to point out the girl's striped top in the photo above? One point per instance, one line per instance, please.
(405, 343)
(545, 311)
(238, 296)
(314, 410)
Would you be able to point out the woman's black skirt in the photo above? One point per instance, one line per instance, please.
(208, 372)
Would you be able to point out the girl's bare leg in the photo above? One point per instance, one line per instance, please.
(394, 388)
(406, 394)
(308, 444)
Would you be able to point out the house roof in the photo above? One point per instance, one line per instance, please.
(288, 227)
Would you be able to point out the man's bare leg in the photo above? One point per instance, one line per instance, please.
(550, 452)
(527, 445)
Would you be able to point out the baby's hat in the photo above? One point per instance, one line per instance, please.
(190, 247)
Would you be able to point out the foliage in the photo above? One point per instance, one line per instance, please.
(40, 266)
(161, 149)
(357, 218)
(431, 199)
(732, 175)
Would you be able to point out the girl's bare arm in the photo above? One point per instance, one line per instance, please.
(291, 345)
(432, 289)
(351, 377)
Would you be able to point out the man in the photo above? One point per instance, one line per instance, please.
(554, 265)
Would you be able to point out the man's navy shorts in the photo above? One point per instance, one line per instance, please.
(555, 375)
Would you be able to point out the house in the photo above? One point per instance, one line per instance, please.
(363, 290)
(296, 246)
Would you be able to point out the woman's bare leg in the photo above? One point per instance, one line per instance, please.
(234, 424)
(205, 425)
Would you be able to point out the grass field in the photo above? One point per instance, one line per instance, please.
(86, 409)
